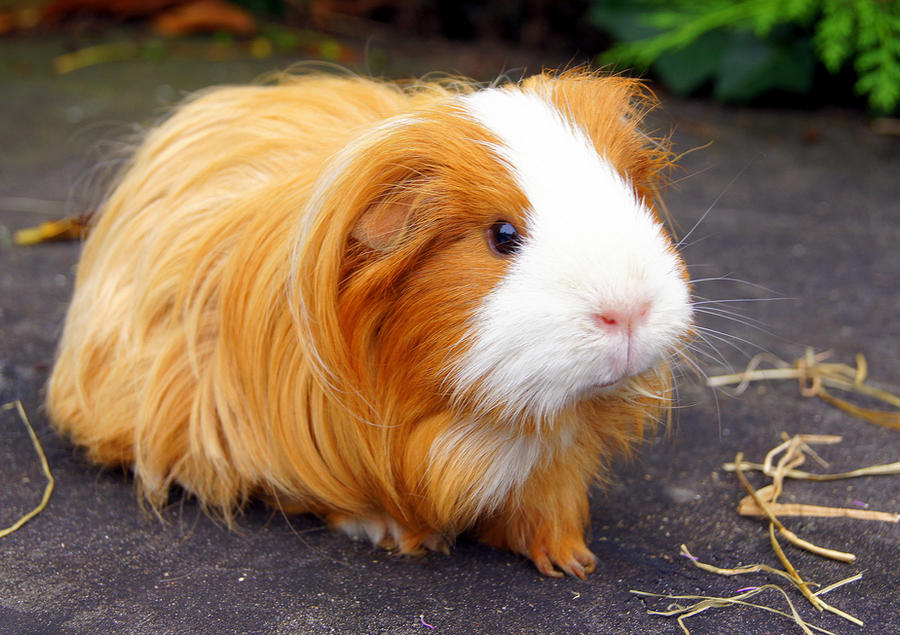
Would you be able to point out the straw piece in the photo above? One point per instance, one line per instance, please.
(813, 377)
(788, 534)
(764, 502)
(801, 584)
(878, 417)
(70, 228)
(792, 457)
(794, 449)
(747, 507)
(92, 55)
(791, 576)
(747, 568)
(872, 470)
(48, 490)
(704, 603)
(839, 583)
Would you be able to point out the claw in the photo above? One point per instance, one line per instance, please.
(542, 562)
(576, 569)
(436, 542)
(388, 543)
(587, 560)
(575, 560)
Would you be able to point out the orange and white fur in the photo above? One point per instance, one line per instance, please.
(414, 311)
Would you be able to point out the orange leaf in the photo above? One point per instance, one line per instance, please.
(204, 16)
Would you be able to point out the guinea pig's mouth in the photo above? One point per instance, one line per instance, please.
(623, 374)
(608, 384)
(604, 387)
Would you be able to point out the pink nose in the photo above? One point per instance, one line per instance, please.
(621, 318)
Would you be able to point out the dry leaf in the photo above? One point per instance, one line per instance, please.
(204, 16)
(72, 228)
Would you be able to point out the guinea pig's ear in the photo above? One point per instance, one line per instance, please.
(383, 224)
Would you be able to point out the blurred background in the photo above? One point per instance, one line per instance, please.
(793, 53)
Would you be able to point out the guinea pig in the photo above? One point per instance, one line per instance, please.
(412, 310)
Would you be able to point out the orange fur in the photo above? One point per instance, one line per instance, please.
(272, 293)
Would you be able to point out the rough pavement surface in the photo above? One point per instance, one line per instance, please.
(806, 205)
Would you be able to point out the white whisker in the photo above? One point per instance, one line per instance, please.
(713, 204)
(684, 238)
(727, 278)
(715, 392)
(737, 319)
(726, 314)
(717, 357)
(682, 246)
(703, 301)
(726, 338)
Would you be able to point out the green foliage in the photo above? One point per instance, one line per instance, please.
(748, 47)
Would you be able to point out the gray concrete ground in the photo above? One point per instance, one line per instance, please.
(807, 206)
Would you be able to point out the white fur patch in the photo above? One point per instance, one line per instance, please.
(374, 528)
(499, 463)
(590, 248)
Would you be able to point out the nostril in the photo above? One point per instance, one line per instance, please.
(644, 312)
(626, 318)
(606, 320)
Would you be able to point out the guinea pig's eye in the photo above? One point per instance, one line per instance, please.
(504, 238)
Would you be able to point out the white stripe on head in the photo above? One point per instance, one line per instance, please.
(590, 249)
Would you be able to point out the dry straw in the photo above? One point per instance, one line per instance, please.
(764, 502)
(703, 603)
(794, 458)
(69, 228)
(48, 490)
(814, 376)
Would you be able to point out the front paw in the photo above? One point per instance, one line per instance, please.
(569, 554)
(385, 532)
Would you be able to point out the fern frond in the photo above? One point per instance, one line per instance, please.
(834, 34)
(866, 32)
(684, 27)
(878, 59)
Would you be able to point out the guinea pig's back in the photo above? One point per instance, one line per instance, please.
(224, 142)
(191, 209)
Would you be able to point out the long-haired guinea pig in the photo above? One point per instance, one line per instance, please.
(414, 311)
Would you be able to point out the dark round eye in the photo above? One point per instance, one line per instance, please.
(504, 238)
